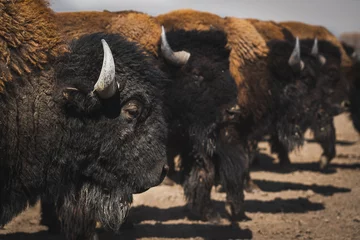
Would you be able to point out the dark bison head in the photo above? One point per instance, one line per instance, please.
(294, 68)
(202, 88)
(114, 130)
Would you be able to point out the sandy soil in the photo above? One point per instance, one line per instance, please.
(299, 204)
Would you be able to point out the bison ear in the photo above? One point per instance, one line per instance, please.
(322, 59)
(176, 58)
(295, 61)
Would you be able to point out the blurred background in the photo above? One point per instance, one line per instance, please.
(339, 16)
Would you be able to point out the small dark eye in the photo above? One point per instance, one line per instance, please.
(131, 110)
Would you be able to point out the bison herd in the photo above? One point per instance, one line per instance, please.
(94, 106)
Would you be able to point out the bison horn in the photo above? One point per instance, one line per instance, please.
(106, 85)
(177, 58)
(315, 48)
(295, 60)
(315, 52)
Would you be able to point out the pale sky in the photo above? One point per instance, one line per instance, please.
(337, 15)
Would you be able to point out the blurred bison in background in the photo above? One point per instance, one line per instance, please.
(355, 85)
(81, 125)
(272, 78)
(340, 74)
(352, 39)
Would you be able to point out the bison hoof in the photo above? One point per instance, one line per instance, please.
(213, 217)
(240, 217)
(53, 228)
(95, 237)
(128, 224)
(220, 189)
(324, 162)
(285, 162)
(168, 182)
(251, 187)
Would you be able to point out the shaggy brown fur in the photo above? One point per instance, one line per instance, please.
(188, 19)
(303, 31)
(247, 62)
(270, 30)
(135, 26)
(25, 46)
(352, 39)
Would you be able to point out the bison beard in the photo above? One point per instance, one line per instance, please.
(81, 209)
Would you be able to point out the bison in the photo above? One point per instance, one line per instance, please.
(82, 125)
(315, 109)
(338, 74)
(318, 104)
(200, 98)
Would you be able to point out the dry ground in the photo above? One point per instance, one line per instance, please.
(299, 204)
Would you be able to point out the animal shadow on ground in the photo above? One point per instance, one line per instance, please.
(43, 235)
(298, 205)
(205, 231)
(158, 230)
(267, 163)
(272, 186)
(338, 142)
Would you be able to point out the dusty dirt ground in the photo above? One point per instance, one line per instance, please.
(299, 204)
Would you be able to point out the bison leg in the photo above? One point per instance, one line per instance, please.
(325, 135)
(197, 189)
(49, 216)
(170, 178)
(278, 148)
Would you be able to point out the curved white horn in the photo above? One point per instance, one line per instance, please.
(315, 48)
(106, 85)
(177, 58)
(295, 58)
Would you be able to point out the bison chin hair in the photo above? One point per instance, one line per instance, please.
(81, 209)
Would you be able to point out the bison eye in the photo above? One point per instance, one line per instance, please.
(131, 110)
